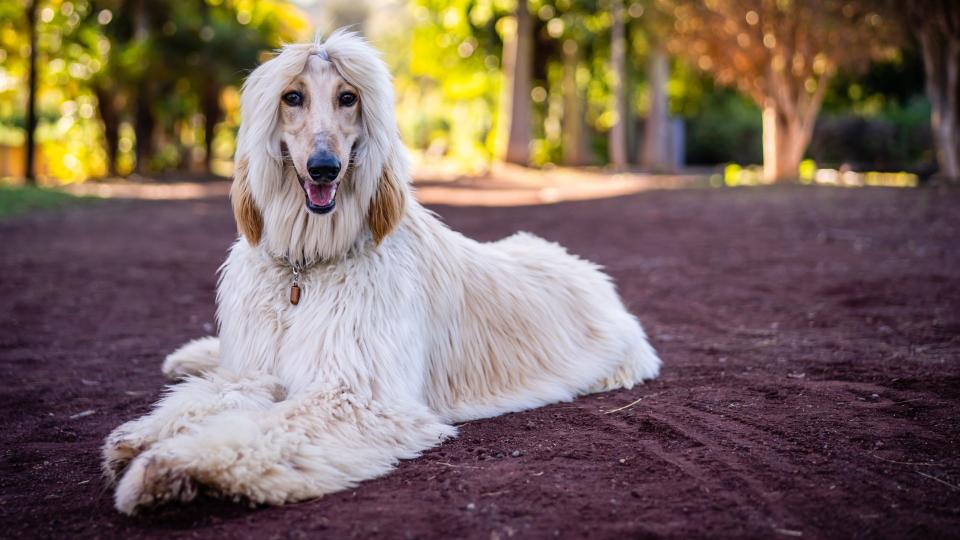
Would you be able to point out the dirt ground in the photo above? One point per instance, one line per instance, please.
(810, 339)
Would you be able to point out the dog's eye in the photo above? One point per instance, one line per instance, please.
(347, 99)
(293, 99)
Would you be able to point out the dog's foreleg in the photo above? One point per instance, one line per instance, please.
(192, 358)
(300, 449)
(183, 407)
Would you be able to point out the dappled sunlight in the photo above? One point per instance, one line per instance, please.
(860, 179)
(512, 186)
(808, 173)
(516, 186)
(135, 190)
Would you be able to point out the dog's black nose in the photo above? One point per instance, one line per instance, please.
(323, 167)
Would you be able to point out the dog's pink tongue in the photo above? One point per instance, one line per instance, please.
(321, 194)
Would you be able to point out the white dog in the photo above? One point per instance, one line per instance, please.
(355, 328)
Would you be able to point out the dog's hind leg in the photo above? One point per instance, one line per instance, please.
(183, 408)
(192, 358)
(301, 448)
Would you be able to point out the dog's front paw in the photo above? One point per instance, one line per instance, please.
(153, 479)
(120, 448)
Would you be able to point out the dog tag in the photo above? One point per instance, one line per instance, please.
(294, 294)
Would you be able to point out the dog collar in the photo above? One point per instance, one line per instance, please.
(297, 268)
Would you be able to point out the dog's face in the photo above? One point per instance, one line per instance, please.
(319, 162)
(319, 124)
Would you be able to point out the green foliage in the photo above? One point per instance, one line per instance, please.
(448, 74)
(172, 54)
(893, 137)
(880, 119)
(448, 78)
(895, 80)
(186, 60)
(724, 127)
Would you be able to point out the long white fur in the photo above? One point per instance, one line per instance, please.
(390, 345)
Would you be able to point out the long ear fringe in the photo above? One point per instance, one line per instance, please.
(389, 204)
(249, 220)
(257, 149)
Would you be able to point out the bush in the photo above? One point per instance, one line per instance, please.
(726, 128)
(896, 138)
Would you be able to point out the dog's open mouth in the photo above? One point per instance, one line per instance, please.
(321, 198)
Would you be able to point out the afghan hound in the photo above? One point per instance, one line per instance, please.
(355, 328)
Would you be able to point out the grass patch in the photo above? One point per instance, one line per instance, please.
(16, 200)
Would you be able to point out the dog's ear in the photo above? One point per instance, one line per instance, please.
(249, 220)
(388, 204)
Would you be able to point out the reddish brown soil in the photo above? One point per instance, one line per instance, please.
(810, 387)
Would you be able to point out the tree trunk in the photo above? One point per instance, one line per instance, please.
(211, 115)
(618, 64)
(143, 128)
(657, 135)
(209, 101)
(941, 61)
(31, 126)
(574, 126)
(784, 142)
(144, 121)
(111, 127)
(515, 103)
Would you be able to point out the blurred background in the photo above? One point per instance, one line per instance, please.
(732, 91)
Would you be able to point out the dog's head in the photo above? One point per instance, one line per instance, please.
(318, 128)
(319, 161)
